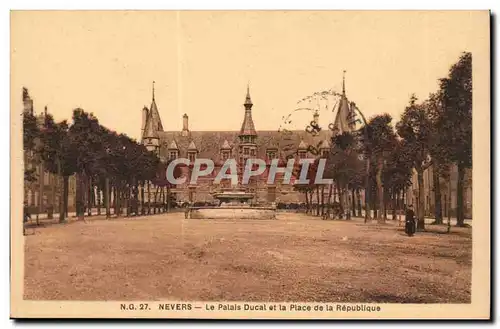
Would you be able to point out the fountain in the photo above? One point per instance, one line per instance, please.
(234, 203)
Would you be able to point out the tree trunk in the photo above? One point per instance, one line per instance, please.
(386, 200)
(127, 201)
(394, 199)
(306, 193)
(353, 203)
(438, 208)
(169, 196)
(317, 200)
(116, 197)
(335, 192)
(421, 200)
(107, 197)
(380, 190)
(358, 199)
(143, 212)
(460, 195)
(41, 184)
(54, 183)
(449, 201)
(90, 196)
(155, 202)
(78, 195)
(322, 200)
(98, 201)
(367, 190)
(63, 210)
(149, 198)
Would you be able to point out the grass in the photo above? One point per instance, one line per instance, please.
(294, 258)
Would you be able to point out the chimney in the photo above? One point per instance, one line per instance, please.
(185, 124)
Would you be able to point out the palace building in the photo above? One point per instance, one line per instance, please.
(242, 144)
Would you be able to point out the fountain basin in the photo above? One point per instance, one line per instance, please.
(233, 212)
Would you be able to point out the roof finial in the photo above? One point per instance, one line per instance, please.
(343, 83)
(248, 100)
(153, 90)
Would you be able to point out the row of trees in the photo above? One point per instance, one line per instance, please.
(380, 157)
(102, 160)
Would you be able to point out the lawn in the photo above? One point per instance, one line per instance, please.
(294, 258)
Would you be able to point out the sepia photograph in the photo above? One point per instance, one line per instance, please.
(250, 164)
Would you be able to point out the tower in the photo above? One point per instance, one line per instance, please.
(342, 123)
(248, 136)
(152, 127)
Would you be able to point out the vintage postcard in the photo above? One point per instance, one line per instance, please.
(250, 164)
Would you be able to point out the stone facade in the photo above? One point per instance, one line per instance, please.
(43, 194)
(448, 193)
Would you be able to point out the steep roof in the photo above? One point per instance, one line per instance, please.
(342, 117)
(192, 146)
(225, 145)
(173, 145)
(210, 143)
(248, 127)
(149, 129)
(302, 145)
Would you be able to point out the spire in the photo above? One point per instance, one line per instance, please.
(154, 114)
(343, 83)
(248, 99)
(248, 128)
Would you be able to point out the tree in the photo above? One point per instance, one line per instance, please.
(381, 142)
(346, 168)
(456, 121)
(59, 157)
(415, 128)
(397, 173)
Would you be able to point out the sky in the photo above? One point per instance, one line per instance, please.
(202, 61)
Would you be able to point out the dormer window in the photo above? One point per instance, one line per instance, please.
(172, 155)
(225, 155)
(272, 154)
(302, 154)
(324, 153)
(252, 152)
(191, 156)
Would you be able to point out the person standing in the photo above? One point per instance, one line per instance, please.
(410, 221)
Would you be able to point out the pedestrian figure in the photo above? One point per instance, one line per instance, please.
(410, 221)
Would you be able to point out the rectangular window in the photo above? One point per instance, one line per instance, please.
(173, 155)
(245, 151)
(252, 152)
(271, 155)
(191, 156)
(225, 155)
(302, 154)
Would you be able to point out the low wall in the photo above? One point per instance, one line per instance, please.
(232, 213)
